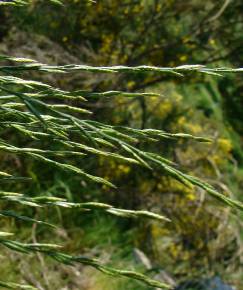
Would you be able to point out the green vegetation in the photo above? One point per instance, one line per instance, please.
(134, 170)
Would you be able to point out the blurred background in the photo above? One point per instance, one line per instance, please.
(202, 248)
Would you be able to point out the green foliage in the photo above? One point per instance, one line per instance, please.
(41, 121)
(55, 128)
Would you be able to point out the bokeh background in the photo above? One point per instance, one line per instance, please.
(203, 245)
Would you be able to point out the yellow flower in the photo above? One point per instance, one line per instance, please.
(225, 144)
(191, 196)
(124, 169)
(183, 58)
(65, 39)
